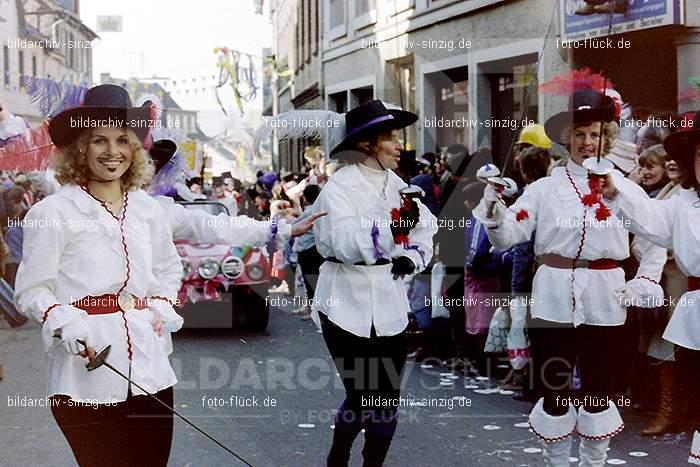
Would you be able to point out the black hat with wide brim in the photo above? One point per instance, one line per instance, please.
(586, 105)
(104, 105)
(681, 144)
(161, 152)
(368, 120)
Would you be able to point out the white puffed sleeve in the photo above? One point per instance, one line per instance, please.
(35, 284)
(503, 229)
(167, 270)
(652, 219)
(198, 226)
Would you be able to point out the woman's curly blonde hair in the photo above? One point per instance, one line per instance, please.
(71, 165)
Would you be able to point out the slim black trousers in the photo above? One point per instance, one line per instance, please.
(138, 431)
(557, 348)
(371, 370)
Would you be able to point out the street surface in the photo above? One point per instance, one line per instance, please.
(271, 398)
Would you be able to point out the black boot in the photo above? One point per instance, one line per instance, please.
(340, 451)
(375, 450)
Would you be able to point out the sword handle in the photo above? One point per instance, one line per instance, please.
(91, 352)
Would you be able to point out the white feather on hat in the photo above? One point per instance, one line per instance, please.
(326, 125)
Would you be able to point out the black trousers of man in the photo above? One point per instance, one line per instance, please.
(559, 347)
(138, 431)
(371, 370)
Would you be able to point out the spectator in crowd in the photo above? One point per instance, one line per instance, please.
(533, 162)
(308, 257)
(14, 237)
(530, 136)
(651, 133)
(452, 252)
(652, 164)
(660, 351)
(483, 267)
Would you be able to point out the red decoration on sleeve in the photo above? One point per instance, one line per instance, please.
(521, 215)
(603, 212)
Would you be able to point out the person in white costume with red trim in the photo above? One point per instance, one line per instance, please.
(99, 267)
(673, 223)
(579, 291)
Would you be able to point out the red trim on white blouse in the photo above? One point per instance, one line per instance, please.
(126, 254)
(46, 313)
(648, 279)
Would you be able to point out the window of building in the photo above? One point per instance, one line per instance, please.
(34, 70)
(510, 101)
(365, 13)
(314, 26)
(6, 64)
(400, 89)
(71, 51)
(361, 96)
(363, 7)
(308, 38)
(398, 6)
(338, 102)
(451, 105)
(337, 13)
(299, 36)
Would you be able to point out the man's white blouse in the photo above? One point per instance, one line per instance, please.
(357, 297)
(73, 248)
(558, 217)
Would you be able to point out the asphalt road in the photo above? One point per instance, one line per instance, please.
(271, 398)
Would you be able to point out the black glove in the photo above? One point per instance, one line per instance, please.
(402, 266)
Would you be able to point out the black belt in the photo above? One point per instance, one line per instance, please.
(380, 262)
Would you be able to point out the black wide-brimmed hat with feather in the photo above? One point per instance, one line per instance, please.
(585, 105)
(682, 143)
(370, 119)
(106, 103)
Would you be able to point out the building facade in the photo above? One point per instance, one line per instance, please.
(42, 38)
(297, 33)
(467, 66)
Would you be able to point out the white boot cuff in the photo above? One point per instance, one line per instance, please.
(549, 428)
(601, 425)
(694, 457)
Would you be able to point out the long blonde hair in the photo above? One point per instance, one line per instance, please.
(71, 165)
